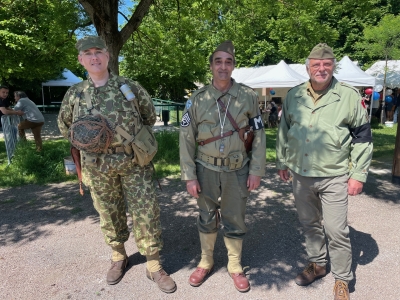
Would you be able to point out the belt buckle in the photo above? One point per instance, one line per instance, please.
(218, 161)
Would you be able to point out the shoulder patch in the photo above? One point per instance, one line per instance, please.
(185, 122)
(188, 104)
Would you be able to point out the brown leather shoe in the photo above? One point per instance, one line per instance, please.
(164, 282)
(240, 281)
(341, 290)
(310, 274)
(117, 271)
(199, 275)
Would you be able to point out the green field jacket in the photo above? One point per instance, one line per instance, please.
(315, 140)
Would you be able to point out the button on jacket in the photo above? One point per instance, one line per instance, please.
(314, 140)
(201, 121)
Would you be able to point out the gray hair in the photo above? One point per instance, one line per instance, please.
(20, 94)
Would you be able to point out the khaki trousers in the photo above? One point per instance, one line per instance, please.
(325, 199)
(231, 187)
(36, 130)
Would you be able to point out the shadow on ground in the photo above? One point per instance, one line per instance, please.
(273, 249)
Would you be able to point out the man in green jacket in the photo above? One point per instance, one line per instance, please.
(325, 140)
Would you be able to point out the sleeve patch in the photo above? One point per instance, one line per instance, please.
(185, 122)
(188, 104)
(256, 122)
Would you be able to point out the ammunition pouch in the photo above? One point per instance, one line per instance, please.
(144, 146)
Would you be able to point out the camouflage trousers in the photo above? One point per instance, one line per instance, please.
(109, 190)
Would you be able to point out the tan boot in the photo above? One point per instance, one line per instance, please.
(205, 267)
(155, 272)
(235, 269)
(119, 261)
(310, 273)
(341, 290)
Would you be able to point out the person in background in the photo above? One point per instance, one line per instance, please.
(5, 104)
(215, 164)
(34, 119)
(325, 140)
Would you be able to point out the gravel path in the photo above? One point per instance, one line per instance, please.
(51, 246)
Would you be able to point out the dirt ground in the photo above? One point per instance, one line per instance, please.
(51, 246)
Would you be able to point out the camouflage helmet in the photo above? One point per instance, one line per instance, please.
(91, 133)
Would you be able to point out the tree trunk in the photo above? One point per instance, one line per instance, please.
(104, 15)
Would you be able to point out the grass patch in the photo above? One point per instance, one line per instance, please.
(271, 142)
(31, 167)
(384, 139)
(166, 160)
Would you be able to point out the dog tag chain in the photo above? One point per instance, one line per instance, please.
(222, 123)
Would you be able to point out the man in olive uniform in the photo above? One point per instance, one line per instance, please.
(323, 130)
(112, 176)
(220, 167)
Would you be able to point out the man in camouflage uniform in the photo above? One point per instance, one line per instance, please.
(325, 139)
(220, 167)
(112, 176)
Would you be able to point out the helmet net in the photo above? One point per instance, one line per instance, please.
(91, 133)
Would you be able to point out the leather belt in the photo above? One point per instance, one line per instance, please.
(216, 161)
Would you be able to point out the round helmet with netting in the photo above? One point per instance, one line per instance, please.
(91, 133)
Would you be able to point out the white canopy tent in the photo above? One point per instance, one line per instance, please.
(348, 72)
(392, 73)
(68, 79)
(242, 75)
(279, 76)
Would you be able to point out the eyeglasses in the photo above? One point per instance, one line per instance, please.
(326, 65)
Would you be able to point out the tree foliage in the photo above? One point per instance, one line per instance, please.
(381, 41)
(36, 39)
(166, 44)
(104, 15)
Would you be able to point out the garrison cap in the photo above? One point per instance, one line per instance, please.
(321, 51)
(90, 41)
(227, 47)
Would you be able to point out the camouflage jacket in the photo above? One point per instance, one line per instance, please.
(111, 103)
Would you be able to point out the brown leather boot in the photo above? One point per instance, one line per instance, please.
(199, 275)
(240, 281)
(117, 270)
(341, 290)
(164, 282)
(310, 274)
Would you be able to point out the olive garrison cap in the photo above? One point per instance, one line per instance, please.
(90, 41)
(227, 47)
(321, 51)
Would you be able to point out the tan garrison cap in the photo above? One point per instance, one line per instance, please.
(227, 47)
(321, 51)
(90, 42)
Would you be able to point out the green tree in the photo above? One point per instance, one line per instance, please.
(36, 40)
(104, 15)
